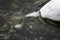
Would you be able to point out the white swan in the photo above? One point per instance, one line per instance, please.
(51, 10)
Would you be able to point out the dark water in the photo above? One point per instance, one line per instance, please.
(32, 29)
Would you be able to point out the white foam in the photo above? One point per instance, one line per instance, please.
(18, 26)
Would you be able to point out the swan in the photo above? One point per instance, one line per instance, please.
(51, 10)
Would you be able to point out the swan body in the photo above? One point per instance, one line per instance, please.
(51, 10)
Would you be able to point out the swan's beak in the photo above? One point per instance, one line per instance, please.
(33, 14)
